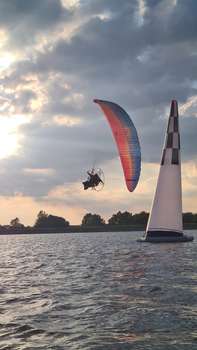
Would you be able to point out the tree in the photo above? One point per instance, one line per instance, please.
(50, 221)
(188, 217)
(57, 221)
(119, 218)
(195, 218)
(140, 218)
(41, 220)
(92, 220)
(16, 223)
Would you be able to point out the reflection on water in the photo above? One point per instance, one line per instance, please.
(97, 291)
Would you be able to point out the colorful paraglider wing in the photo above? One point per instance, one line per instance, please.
(127, 141)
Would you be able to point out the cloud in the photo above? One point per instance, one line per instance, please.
(25, 20)
(140, 54)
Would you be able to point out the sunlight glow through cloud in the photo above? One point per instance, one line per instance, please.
(71, 3)
(141, 12)
(105, 16)
(67, 121)
(9, 137)
(6, 59)
(189, 107)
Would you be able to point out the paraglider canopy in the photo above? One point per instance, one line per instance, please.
(127, 141)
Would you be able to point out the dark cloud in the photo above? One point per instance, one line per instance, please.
(116, 58)
(25, 19)
(113, 6)
(188, 138)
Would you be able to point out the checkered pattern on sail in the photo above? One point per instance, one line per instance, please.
(171, 151)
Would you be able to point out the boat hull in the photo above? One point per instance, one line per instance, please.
(166, 239)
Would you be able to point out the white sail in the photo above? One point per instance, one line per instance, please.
(166, 213)
(165, 220)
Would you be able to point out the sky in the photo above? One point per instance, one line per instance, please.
(56, 57)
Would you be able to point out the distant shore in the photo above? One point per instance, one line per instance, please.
(80, 228)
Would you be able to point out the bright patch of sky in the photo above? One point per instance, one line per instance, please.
(71, 3)
(105, 16)
(189, 108)
(141, 12)
(67, 121)
(6, 60)
(9, 136)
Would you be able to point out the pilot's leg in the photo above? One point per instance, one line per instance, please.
(86, 185)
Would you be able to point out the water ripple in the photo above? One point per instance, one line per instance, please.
(96, 291)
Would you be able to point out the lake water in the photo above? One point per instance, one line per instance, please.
(97, 291)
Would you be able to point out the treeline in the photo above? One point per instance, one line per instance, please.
(120, 221)
(126, 218)
(120, 218)
(44, 223)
